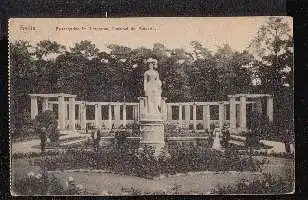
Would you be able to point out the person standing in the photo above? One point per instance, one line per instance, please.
(226, 136)
(43, 137)
(286, 140)
(216, 143)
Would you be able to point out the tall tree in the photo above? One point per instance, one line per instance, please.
(273, 46)
(45, 54)
(22, 77)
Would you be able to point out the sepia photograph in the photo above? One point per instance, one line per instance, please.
(151, 106)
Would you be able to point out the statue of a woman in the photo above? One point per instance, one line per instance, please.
(152, 88)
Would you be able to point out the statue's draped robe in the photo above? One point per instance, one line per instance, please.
(152, 89)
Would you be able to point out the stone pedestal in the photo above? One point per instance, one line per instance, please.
(152, 134)
(152, 129)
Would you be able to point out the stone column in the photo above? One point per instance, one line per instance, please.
(50, 106)
(65, 111)
(180, 115)
(232, 115)
(187, 115)
(137, 113)
(98, 116)
(206, 117)
(72, 116)
(164, 108)
(117, 115)
(124, 115)
(169, 112)
(134, 113)
(45, 104)
(141, 107)
(221, 114)
(269, 108)
(110, 116)
(187, 112)
(83, 115)
(61, 112)
(259, 105)
(34, 109)
(243, 113)
(194, 117)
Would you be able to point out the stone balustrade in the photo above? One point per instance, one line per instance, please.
(72, 114)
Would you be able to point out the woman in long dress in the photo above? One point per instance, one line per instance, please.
(152, 88)
(216, 143)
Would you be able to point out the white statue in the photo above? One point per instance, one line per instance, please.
(216, 143)
(152, 88)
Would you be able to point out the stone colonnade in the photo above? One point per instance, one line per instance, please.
(67, 116)
(46, 105)
(257, 107)
(206, 121)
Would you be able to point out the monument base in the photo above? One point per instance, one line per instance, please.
(152, 134)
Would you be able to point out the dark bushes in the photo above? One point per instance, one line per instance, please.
(40, 184)
(269, 185)
(47, 120)
(128, 159)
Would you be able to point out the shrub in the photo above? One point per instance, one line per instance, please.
(170, 128)
(47, 120)
(34, 154)
(199, 126)
(121, 126)
(269, 185)
(144, 163)
(261, 127)
(252, 139)
(127, 158)
(27, 132)
(136, 129)
(90, 126)
(40, 184)
(54, 135)
(212, 126)
(34, 184)
(120, 137)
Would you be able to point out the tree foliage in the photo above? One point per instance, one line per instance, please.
(274, 66)
(117, 74)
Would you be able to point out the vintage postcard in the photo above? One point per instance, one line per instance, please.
(151, 106)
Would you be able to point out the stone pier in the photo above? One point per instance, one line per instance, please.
(257, 107)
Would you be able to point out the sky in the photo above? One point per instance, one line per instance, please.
(172, 32)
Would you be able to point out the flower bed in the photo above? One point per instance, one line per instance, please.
(127, 159)
(34, 154)
(269, 185)
(42, 184)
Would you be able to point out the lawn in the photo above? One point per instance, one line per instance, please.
(114, 184)
(102, 183)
